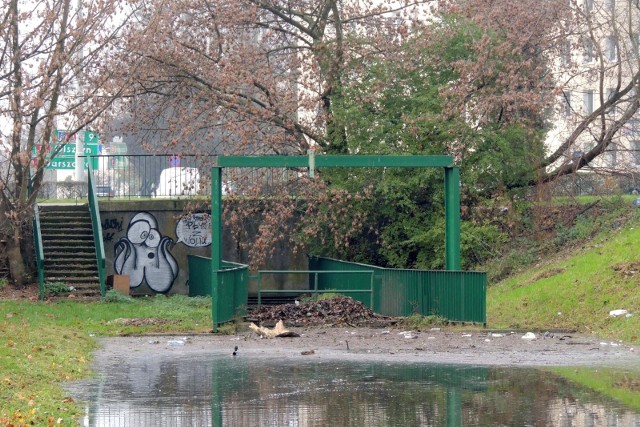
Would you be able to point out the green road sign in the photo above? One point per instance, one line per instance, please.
(69, 150)
(69, 163)
(66, 157)
(91, 137)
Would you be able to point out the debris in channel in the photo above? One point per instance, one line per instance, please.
(278, 332)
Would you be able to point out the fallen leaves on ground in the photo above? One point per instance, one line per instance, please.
(334, 311)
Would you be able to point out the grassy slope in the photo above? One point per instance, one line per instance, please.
(43, 345)
(577, 290)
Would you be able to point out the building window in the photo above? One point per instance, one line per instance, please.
(612, 155)
(588, 5)
(589, 54)
(632, 127)
(588, 102)
(611, 48)
(635, 151)
(565, 54)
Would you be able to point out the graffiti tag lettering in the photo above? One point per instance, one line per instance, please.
(112, 224)
(194, 230)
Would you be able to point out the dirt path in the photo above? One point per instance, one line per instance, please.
(367, 344)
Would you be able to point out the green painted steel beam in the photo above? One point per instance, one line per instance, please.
(346, 161)
(452, 218)
(384, 161)
(216, 241)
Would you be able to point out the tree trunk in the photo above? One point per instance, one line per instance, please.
(17, 269)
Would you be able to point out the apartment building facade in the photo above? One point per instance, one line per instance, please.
(596, 73)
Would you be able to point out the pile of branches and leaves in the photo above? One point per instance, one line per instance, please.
(337, 311)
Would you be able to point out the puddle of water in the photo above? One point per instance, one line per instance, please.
(206, 390)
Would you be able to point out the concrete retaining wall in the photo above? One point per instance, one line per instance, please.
(150, 240)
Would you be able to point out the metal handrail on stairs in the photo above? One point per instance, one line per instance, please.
(37, 240)
(96, 225)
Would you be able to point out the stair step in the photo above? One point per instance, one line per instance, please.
(52, 214)
(72, 280)
(64, 237)
(65, 253)
(73, 264)
(78, 247)
(65, 224)
(70, 273)
(86, 289)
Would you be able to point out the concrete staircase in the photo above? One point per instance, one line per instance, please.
(69, 248)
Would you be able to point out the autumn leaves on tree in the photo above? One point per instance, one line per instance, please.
(479, 81)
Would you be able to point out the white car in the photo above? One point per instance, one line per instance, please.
(178, 181)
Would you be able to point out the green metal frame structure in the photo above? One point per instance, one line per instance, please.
(451, 187)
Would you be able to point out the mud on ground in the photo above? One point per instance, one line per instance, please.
(387, 345)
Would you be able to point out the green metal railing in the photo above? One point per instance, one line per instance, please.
(96, 225)
(230, 300)
(316, 290)
(455, 295)
(37, 240)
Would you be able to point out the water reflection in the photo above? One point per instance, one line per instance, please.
(225, 391)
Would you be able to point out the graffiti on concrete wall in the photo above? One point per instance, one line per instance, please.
(194, 230)
(111, 226)
(144, 255)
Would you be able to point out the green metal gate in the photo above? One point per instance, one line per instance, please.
(232, 292)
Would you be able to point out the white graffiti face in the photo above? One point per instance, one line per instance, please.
(141, 233)
(144, 255)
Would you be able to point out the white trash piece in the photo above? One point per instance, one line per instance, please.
(175, 343)
(618, 312)
(529, 336)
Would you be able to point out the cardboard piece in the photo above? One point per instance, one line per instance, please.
(119, 282)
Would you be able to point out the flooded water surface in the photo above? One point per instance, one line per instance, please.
(205, 390)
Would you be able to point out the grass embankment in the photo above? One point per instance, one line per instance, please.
(577, 291)
(43, 345)
(575, 286)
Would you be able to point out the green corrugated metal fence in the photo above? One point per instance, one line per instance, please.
(232, 287)
(455, 295)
